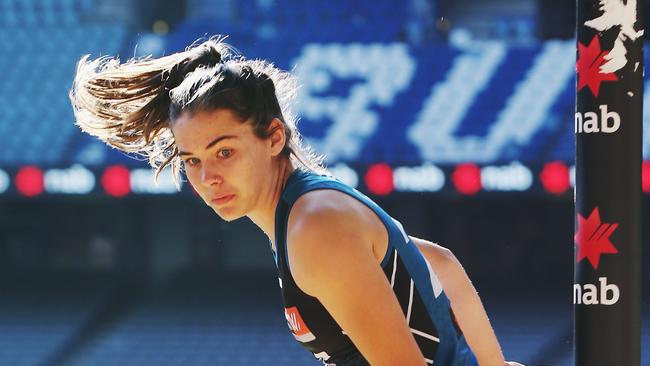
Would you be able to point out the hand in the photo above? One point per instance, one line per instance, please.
(513, 363)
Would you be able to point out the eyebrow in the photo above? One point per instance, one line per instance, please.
(214, 142)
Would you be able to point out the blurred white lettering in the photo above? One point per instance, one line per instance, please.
(4, 181)
(142, 181)
(345, 174)
(74, 180)
(513, 177)
(425, 178)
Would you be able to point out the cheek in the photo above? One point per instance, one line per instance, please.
(191, 176)
(257, 168)
(194, 180)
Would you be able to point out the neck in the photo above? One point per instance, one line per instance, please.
(264, 215)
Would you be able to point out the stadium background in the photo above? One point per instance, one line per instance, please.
(455, 115)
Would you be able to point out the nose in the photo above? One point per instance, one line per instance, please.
(210, 176)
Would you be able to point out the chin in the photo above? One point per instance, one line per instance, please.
(228, 214)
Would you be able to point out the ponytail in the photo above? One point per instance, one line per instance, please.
(130, 105)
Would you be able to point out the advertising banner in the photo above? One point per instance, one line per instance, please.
(608, 128)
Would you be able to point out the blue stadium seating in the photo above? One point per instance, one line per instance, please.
(40, 315)
(213, 319)
(44, 38)
(36, 122)
(185, 323)
(41, 42)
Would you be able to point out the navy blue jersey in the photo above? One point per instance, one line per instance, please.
(419, 292)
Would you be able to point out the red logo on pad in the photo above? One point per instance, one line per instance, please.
(297, 325)
(590, 60)
(593, 239)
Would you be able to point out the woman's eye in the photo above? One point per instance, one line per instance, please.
(191, 161)
(224, 153)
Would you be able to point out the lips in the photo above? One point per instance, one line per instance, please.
(220, 200)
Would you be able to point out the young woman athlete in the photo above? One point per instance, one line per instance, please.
(357, 289)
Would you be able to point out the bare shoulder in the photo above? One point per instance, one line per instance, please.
(329, 213)
(436, 254)
(324, 201)
(326, 229)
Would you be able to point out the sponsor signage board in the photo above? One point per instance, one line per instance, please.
(608, 122)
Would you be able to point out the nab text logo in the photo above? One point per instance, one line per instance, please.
(591, 294)
(591, 122)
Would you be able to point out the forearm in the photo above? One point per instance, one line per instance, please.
(471, 316)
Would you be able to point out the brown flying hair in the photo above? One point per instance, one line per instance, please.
(131, 105)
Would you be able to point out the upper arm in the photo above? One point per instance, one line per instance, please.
(331, 259)
(465, 302)
(443, 262)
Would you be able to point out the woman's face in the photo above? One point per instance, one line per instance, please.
(226, 163)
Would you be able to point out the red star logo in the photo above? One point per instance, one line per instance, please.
(590, 59)
(592, 238)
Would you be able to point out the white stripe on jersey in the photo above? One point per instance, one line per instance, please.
(425, 335)
(435, 282)
(408, 313)
(392, 278)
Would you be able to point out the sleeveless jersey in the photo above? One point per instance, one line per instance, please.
(425, 306)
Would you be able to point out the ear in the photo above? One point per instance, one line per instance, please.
(277, 137)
